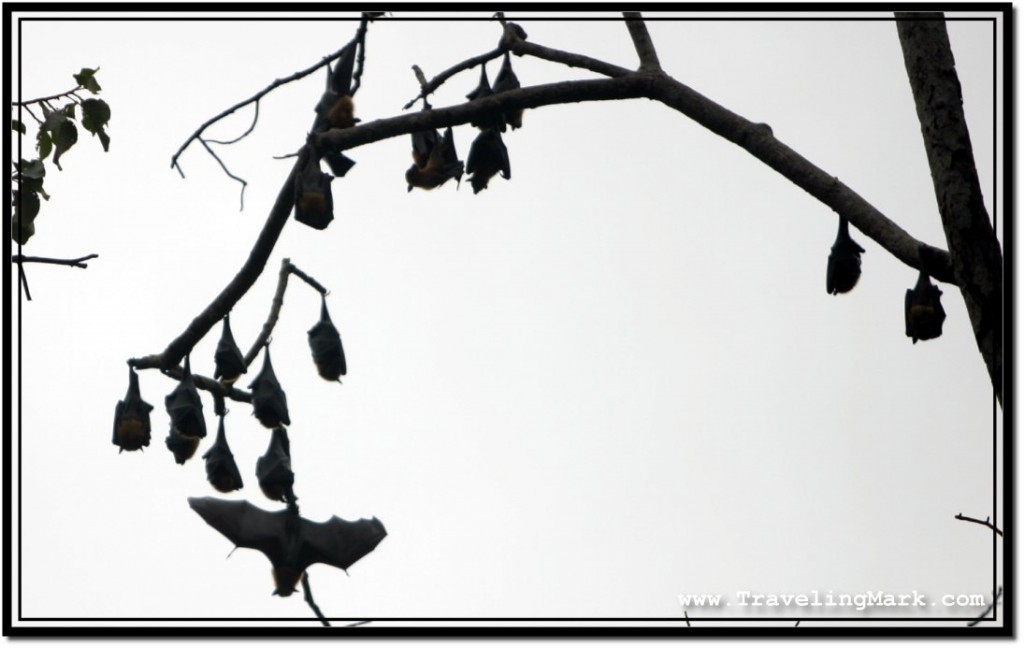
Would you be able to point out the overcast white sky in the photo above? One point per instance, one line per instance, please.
(611, 380)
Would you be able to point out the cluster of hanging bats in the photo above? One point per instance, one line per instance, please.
(291, 542)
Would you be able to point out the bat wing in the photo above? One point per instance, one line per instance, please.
(245, 525)
(339, 543)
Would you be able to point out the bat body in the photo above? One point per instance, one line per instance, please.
(291, 543)
(228, 361)
(434, 160)
(183, 447)
(274, 467)
(185, 407)
(507, 80)
(488, 120)
(131, 418)
(221, 469)
(335, 108)
(843, 262)
(487, 157)
(923, 310)
(325, 343)
(269, 404)
(314, 204)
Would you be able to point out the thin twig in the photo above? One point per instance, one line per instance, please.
(42, 100)
(991, 607)
(275, 306)
(252, 126)
(687, 617)
(984, 523)
(308, 595)
(357, 623)
(75, 263)
(24, 281)
(32, 114)
(439, 80)
(209, 384)
(241, 195)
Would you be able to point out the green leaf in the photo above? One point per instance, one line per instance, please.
(53, 120)
(69, 110)
(32, 169)
(104, 139)
(63, 138)
(18, 126)
(26, 207)
(95, 115)
(44, 143)
(87, 80)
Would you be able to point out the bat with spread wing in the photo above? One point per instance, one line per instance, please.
(291, 543)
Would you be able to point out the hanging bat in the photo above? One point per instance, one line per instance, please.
(507, 80)
(325, 343)
(274, 468)
(131, 417)
(183, 447)
(843, 262)
(435, 161)
(291, 542)
(483, 89)
(221, 469)
(487, 156)
(185, 407)
(923, 310)
(227, 359)
(335, 108)
(269, 404)
(314, 204)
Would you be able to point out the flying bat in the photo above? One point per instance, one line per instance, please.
(291, 543)
(131, 417)
(185, 407)
(843, 262)
(227, 359)
(221, 469)
(269, 404)
(435, 161)
(325, 343)
(487, 156)
(274, 467)
(507, 80)
(923, 310)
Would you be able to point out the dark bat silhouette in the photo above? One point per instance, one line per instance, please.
(325, 343)
(435, 161)
(507, 80)
(843, 262)
(490, 119)
(227, 359)
(221, 469)
(291, 542)
(131, 418)
(336, 108)
(185, 407)
(314, 204)
(274, 467)
(487, 156)
(183, 447)
(269, 404)
(923, 310)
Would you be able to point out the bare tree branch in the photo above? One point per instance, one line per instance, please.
(241, 194)
(642, 41)
(976, 259)
(426, 89)
(42, 100)
(308, 595)
(275, 307)
(984, 523)
(75, 263)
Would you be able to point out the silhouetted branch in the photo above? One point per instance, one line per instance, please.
(43, 100)
(24, 282)
(984, 523)
(983, 615)
(241, 194)
(308, 595)
(74, 263)
(435, 83)
(642, 41)
(215, 387)
(275, 307)
(252, 126)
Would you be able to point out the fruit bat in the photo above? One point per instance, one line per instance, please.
(221, 469)
(843, 262)
(131, 417)
(291, 542)
(314, 204)
(483, 89)
(183, 447)
(274, 468)
(923, 310)
(325, 343)
(268, 401)
(335, 108)
(487, 156)
(185, 407)
(507, 80)
(435, 161)
(228, 361)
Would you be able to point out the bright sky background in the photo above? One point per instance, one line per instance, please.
(611, 380)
